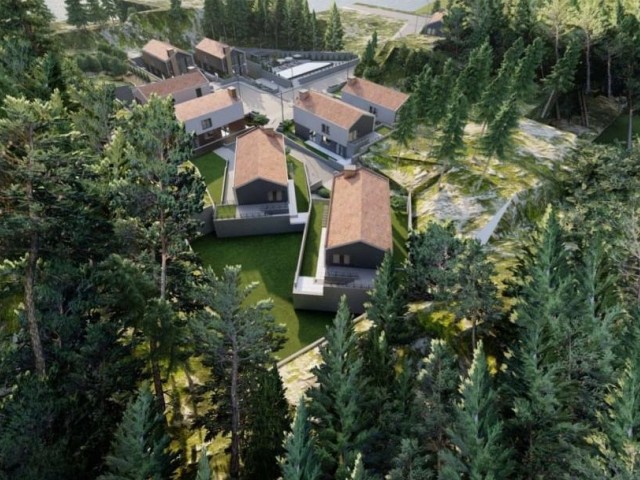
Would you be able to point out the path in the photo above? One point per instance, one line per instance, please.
(412, 23)
(317, 169)
(484, 234)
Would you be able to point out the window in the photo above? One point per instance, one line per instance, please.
(325, 129)
(198, 92)
(206, 124)
(353, 134)
(279, 196)
(341, 259)
(373, 110)
(275, 196)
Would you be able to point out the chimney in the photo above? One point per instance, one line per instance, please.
(232, 92)
(350, 171)
(303, 94)
(351, 80)
(269, 131)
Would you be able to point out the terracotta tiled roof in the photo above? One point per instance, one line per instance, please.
(329, 108)
(260, 154)
(212, 47)
(206, 104)
(375, 93)
(172, 85)
(158, 49)
(360, 210)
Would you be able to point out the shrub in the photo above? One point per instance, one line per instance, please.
(323, 192)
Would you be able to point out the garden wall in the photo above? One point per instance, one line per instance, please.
(241, 227)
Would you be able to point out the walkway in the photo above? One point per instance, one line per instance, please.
(228, 153)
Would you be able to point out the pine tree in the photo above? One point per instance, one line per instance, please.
(451, 141)
(278, 19)
(235, 341)
(476, 298)
(156, 201)
(268, 424)
(476, 433)
(386, 304)
(545, 434)
(213, 19)
(76, 14)
(337, 404)
(436, 398)
(405, 130)
(334, 35)
(140, 446)
(589, 16)
(561, 78)
(300, 462)
(314, 31)
(476, 74)
(411, 463)
(175, 10)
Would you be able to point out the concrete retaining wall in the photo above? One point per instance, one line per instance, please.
(241, 227)
(206, 217)
(329, 161)
(328, 302)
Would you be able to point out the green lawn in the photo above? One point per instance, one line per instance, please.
(300, 181)
(211, 168)
(312, 245)
(225, 211)
(618, 129)
(270, 261)
(400, 233)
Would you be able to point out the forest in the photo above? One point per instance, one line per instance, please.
(105, 310)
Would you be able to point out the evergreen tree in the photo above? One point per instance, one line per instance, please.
(300, 462)
(435, 400)
(589, 17)
(278, 19)
(140, 446)
(553, 16)
(76, 14)
(337, 403)
(333, 37)
(175, 10)
(545, 434)
(628, 41)
(431, 262)
(476, 296)
(269, 422)
(156, 204)
(235, 342)
(386, 303)
(561, 78)
(410, 464)
(475, 76)
(451, 141)
(314, 31)
(213, 19)
(405, 130)
(476, 433)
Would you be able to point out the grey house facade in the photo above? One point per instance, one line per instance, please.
(212, 117)
(213, 56)
(330, 123)
(381, 101)
(165, 60)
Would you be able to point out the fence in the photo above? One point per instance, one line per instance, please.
(327, 71)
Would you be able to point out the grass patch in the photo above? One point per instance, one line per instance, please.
(617, 131)
(211, 167)
(225, 211)
(271, 261)
(358, 28)
(312, 245)
(300, 182)
(400, 234)
(383, 130)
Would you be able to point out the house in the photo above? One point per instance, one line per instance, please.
(165, 60)
(333, 125)
(359, 224)
(259, 198)
(213, 56)
(213, 116)
(381, 101)
(183, 88)
(260, 173)
(435, 25)
(354, 238)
